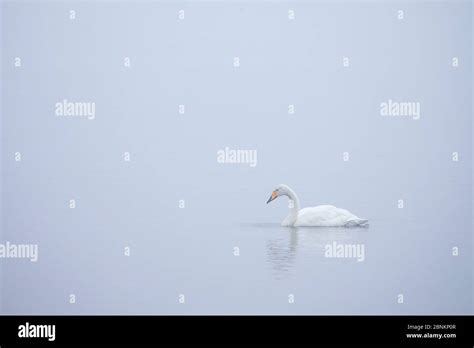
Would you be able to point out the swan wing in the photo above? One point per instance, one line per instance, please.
(324, 215)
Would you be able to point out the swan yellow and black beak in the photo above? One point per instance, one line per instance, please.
(272, 197)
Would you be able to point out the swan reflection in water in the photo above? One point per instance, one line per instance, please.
(285, 244)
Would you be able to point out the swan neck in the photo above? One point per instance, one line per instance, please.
(296, 203)
(294, 208)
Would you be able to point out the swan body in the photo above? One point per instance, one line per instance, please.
(321, 215)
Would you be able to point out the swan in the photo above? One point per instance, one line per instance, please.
(322, 215)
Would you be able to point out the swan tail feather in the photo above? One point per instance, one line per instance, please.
(357, 222)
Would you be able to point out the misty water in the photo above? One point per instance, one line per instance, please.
(274, 264)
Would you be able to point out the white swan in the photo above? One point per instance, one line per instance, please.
(322, 215)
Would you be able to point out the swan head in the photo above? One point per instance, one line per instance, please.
(280, 190)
